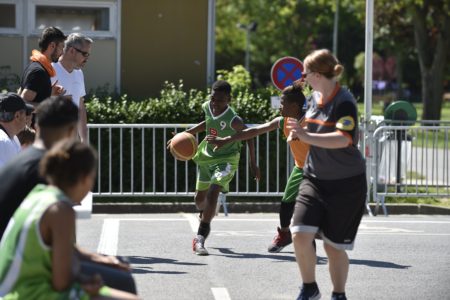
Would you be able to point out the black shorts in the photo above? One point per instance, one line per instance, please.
(333, 208)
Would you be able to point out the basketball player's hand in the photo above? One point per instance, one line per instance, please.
(170, 141)
(295, 130)
(216, 141)
(57, 90)
(255, 172)
(113, 261)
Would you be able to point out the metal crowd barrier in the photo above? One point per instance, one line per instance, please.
(134, 161)
(410, 161)
(403, 161)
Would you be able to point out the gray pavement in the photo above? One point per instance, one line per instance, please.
(396, 257)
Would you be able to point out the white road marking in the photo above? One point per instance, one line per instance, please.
(193, 221)
(406, 221)
(193, 217)
(220, 294)
(109, 237)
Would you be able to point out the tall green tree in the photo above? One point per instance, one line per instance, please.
(285, 28)
(421, 28)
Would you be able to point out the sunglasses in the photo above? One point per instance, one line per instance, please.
(306, 74)
(84, 53)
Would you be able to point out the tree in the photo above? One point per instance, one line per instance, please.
(421, 28)
(285, 28)
(431, 19)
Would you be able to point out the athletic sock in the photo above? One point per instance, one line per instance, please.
(204, 229)
(338, 296)
(286, 212)
(310, 286)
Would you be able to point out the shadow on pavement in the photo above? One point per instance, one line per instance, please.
(377, 264)
(137, 263)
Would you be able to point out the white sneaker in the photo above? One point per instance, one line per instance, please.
(198, 246)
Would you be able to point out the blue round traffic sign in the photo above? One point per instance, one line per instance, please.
(285, 71)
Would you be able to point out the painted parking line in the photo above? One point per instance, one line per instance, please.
(193, 221)
(220, 294)
(109, 237)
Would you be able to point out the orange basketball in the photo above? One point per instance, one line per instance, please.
(183, 146)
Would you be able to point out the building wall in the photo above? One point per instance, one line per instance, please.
(11, 56)
(163, 40)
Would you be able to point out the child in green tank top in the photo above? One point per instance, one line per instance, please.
(37, 250)
(216, 168)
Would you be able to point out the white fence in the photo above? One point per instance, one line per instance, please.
(404, 161)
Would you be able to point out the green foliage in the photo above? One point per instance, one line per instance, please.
(239, 78)
(177, 106)
(285, 28)
(173, 106)
(8, 80)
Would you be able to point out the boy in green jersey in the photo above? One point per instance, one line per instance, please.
(216, 168)
(291, 108)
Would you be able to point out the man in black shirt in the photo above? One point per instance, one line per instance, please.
(35, 84)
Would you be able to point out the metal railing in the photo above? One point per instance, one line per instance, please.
(134, 161)
(410, 161)
(404, 161)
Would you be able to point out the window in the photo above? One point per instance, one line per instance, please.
(94, 18)
(7, 15)
(10, 20)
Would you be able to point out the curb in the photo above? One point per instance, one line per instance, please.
(251, 207)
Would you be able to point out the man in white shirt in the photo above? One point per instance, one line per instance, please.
(69, 75)
(13, 116)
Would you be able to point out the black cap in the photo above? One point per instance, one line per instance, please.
(12, 102)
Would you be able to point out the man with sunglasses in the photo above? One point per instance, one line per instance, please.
(77, 49)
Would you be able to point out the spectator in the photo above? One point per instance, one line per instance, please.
(42, 263)
(26, 137)
(13, 111)
(56, 119)
(76, 53)
(35, 84)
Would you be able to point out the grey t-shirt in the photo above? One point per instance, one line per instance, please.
(340, 114)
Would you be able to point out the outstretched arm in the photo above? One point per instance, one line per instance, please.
(245, 134)
(239, 126)
(193, 130)
(197, 128)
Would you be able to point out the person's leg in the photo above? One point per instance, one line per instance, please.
(306, 221)
(112, 277)
(338, 265)
(305, 255)
(283, 237)
(200, 199)
(345, 199)
(209, 209)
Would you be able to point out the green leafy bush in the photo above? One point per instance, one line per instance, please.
(175, 105)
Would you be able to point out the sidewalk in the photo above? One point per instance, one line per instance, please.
(250, 207)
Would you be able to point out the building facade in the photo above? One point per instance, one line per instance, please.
(138, 44)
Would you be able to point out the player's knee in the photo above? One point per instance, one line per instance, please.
(303, 238)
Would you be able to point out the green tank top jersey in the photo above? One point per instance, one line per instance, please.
(25, 260)
(218, 126)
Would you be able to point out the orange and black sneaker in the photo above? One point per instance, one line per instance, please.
(281, 240)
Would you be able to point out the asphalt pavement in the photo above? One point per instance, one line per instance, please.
(396, 257)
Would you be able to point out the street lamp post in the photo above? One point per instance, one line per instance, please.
(251, 27)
